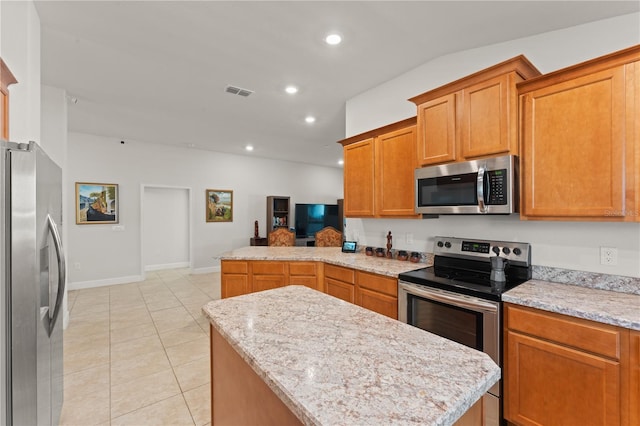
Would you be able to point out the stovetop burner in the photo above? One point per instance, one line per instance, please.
(463, 266)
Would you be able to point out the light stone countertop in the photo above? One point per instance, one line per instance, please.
(609, 307)
(332, 362)
(332, 255)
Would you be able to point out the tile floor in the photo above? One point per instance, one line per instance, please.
(138, 354)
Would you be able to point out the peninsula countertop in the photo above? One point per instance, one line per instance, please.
(331, 362)
(332, 255)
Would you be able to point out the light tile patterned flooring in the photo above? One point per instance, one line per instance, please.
(138, 354)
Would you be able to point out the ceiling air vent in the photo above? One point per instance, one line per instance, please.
(238, 91)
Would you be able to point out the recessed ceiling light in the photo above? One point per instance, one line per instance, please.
(291, 90)
(249, 147)
(309, 119)
(333, 39)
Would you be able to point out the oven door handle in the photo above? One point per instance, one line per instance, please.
(462, 302)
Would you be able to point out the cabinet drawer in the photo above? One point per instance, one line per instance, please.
(382, 284)
(268, 268)
(266, 282)
(340, 290)
(340, 273)
(380, 303)
(302, 268)
(310, 282)
(235, 267)
(582, 334)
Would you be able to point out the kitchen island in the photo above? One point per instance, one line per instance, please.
(295, 355)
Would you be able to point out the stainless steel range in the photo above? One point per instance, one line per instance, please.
(460, 297)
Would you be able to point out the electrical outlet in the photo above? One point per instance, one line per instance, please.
(409, 238)
(608, 256)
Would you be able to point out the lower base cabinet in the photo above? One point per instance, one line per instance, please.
(234, 278)
(634, 386)
(375, 292)
(340, 282)
(561, 370)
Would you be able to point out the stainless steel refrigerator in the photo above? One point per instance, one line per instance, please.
(33, 280)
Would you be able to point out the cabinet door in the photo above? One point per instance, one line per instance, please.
(234, 278)
(488, 108)
(436, 139)
(394, 180)
(266, 275)
(340, 289)
(632, 73)
(4, 116)
(359, 179)
(549, 384)
(573, 148)
(267, 282)
(234, 285)
(634, 394)
(378, 302)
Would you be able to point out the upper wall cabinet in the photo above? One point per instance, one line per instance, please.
(379, 172)
(473, 117)
(6, 79)
(580, 131)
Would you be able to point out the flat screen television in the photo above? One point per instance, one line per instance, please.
(310, 218)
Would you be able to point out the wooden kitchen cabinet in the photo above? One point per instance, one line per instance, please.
(437, 130)
(634, 383)
(580, 135)
(6, 79)
(564, 370)
(234, 278)
(305, 273)
(340, 282)
(394, 177)
(267, 274)
(359, 179)
(379, 172)
(473, 117)
(377, 293)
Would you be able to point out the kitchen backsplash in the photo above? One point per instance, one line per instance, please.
(595, 280)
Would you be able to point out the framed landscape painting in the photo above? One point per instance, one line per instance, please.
(219, 205)
(96, 203)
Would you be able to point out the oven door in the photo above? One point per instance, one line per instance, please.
(464, 319)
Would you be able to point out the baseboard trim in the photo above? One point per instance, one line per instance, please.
(163, 266)
(205, 270)
(101, 283)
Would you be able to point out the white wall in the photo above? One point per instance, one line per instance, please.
(107, 256)
(165, 226)
(559, 244)
(20, 50)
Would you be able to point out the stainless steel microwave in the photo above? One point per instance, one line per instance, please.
(485, 186)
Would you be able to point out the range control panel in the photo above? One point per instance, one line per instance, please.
(516, 252)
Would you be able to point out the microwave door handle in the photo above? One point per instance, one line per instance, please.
(480, 189)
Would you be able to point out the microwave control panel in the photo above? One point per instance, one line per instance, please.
(498, 187)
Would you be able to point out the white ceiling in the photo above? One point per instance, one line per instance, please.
(155, 71)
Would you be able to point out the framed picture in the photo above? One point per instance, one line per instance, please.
(219, 205)
(96, 203)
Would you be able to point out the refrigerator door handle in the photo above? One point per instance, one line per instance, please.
(57, 242)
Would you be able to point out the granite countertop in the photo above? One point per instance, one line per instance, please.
(609, 307)
(332, 362)
(332, 255)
